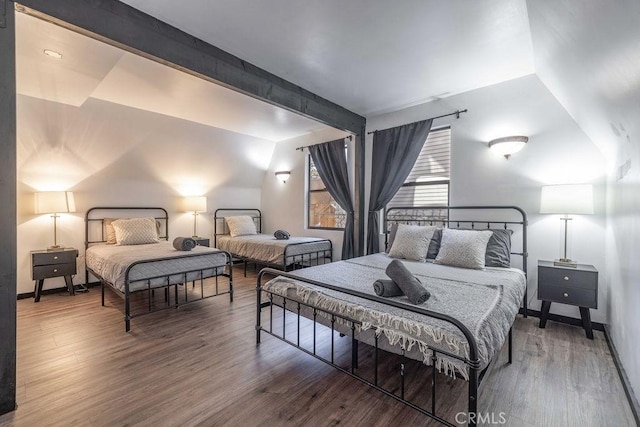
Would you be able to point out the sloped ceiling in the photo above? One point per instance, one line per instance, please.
(90, 69)
(370, 56)
(588, 54)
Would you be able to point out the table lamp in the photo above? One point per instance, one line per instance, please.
(54, 202)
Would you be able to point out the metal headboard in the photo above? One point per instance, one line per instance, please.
(255, 214)
(463, 217)
(98, 214)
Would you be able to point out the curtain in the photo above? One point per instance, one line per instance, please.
(395, 151)
(331, 162)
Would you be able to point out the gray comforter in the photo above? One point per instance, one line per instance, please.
(485, 301)
(267, 249)
(111, 263)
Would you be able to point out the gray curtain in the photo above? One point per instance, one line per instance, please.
(331, 162)
(395, 151)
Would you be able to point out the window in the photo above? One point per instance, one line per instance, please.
(323, 210)
(428, 182)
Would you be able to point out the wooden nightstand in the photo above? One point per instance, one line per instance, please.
(59, 263)
(201, 241)
(566, 285)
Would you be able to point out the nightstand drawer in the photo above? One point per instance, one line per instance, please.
(44, 271)
(54, 257)
(202, 242)
(563, 277)
(568, 295)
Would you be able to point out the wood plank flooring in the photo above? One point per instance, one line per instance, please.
(199, 365)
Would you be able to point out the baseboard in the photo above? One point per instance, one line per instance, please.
(53, 291)
(596, 326)
(633, 402)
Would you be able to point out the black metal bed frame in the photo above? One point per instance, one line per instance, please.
(402, 215)
(164, 217)
(295, 261)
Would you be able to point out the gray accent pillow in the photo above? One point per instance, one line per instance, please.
(499, 249)
(463, 248)
(434, 245)
(411, 242)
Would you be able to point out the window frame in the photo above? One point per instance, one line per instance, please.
(446, 182)
(309, 191)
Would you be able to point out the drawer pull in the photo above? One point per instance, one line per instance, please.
(566, 277)
(566, 295)
(55, 257)
(55, 270)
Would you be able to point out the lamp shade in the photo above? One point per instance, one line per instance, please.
(195, 204)
(567, 199)
(54, 202)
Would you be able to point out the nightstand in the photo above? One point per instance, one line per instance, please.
(574, 286)
(201, 241)
(58, 263)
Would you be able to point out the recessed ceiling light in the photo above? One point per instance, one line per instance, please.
(53, 54)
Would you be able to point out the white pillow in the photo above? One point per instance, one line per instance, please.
(463, 248)
(135, 231)
(241, 225)
(412, 242)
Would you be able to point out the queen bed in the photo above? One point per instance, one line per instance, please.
(140, 261)
(458, 331)
(248, 244)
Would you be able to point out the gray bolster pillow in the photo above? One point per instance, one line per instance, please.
(407, 282)
(281, 235)
(184, 243)
(386, 288)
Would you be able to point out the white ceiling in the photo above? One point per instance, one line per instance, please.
(370, 56)
(90, 69)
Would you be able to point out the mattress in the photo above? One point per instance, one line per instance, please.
(485, 301)
(267, 249)
(110, 262)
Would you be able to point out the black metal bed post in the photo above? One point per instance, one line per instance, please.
(230, 266)
(258, 309)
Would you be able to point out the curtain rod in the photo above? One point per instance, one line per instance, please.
(455, 113)
(307, 146)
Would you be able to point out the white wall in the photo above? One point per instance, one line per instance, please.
(283, 205)
(587, 53)
(557, 152)
(110, 155)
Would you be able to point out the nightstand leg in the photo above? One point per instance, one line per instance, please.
(69, 282)
(38, 290)
(586, 321)
(546, 305)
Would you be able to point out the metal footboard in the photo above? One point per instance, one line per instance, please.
(295, 307)
(173, 280)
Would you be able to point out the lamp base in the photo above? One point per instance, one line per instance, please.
(55, 248)
(563, 262)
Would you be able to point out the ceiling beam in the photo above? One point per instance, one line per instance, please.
(7, 209)
(126, 27)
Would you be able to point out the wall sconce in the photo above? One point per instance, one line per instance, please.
(54, 202)
(566, 199)
(508, 145)
(195, 204)
(283, 176)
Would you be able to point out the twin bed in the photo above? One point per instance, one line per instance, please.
(142, 261)
(252, 246)
(457, 332)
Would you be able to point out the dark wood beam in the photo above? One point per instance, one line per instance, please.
(7, 208)
(122, 25)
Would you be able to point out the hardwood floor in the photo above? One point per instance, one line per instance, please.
(199, 365)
